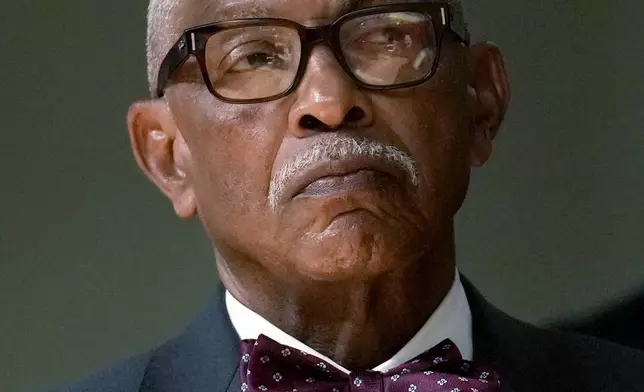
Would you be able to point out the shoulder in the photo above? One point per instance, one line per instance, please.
(573, 362)
(622, 322)
(533, 359)
(125, 376)
(203, 353)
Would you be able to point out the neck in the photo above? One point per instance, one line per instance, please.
(346, 321)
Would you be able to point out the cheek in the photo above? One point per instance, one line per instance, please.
(233, 149)
(443, 155)
(436, 131)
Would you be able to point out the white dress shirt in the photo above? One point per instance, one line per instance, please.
(451, 320)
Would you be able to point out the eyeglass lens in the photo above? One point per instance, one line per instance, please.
(381, 50)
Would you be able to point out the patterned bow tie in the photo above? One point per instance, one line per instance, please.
(267, 366)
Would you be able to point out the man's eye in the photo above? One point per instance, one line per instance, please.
(385, 36)
(254, 61)
(257, 55)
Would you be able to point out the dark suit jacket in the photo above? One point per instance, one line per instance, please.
(621, 323)
(204, 358)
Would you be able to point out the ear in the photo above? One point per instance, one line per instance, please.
(162, 153)
(491, 90)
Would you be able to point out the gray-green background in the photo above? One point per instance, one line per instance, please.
(94, 266)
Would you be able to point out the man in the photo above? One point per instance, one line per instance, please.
(326, 146)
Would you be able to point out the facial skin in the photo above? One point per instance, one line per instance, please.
(343, 272)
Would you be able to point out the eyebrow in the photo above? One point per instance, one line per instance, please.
(350, 5)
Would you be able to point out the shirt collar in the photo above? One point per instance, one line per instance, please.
(452, 319)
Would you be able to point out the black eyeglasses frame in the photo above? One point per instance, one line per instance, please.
(194, 40)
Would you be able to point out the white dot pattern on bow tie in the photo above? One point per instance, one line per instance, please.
(267, 366)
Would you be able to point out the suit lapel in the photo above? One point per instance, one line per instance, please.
(235, 385)
(506, 387)
(489, 340)
(204, 358)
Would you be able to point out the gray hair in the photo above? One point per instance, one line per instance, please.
(336, 148)
(165, 26)
(163, 21)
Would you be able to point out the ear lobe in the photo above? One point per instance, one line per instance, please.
(492, 97)
(161, 153)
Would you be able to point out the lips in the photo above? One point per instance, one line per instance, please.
(341, 176)
(330, 185)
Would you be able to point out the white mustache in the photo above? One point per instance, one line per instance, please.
(338, 148)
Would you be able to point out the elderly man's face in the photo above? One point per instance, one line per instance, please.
(293, 186)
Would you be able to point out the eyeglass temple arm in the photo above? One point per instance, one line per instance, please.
(177, 56)
(457, 23)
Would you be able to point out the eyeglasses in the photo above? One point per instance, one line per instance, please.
(258, 60)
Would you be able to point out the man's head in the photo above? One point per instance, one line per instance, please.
(333, 180)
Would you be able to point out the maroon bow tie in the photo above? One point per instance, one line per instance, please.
(267, 366)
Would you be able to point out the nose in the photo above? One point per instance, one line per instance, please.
(327, 99)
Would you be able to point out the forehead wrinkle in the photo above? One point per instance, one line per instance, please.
(214, 12)
(222, 10)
